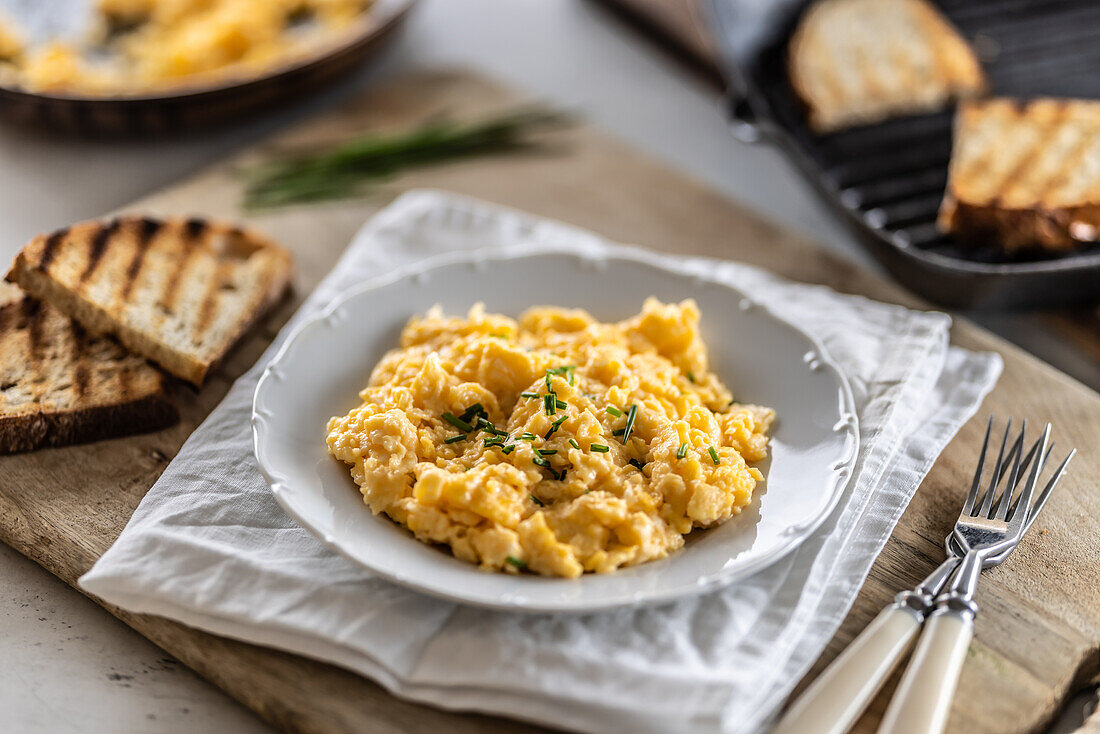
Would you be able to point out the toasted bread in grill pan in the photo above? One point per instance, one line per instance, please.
(180, 292)
(1025, 174)
(854, 62)
(886, 181)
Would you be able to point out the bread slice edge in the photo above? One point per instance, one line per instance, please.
(42, 429)
(1018, 229)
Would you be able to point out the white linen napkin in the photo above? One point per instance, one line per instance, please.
(209, 546)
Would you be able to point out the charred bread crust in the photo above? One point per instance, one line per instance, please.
(51, 429)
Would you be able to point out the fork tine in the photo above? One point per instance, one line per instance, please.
(1016, 448)
(1018, 517)
(968, 506)
(1010, 488)
(1045, 494)
(987, 501)
(1024, 467)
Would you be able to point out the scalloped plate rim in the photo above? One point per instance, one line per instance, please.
(793, 537)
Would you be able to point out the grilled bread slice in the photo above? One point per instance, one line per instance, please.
(180, 292)
(854, 62)
(60, 385)
(1025, 174)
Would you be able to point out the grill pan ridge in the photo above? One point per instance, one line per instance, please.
(886, 180)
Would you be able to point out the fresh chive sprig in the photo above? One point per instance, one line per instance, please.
(344, 169)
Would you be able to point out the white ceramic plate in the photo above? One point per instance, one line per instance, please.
(763, 359)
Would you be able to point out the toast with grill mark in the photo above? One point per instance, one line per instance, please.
(60, 385)
(180, 292)
(854, 62)
(1025, 175)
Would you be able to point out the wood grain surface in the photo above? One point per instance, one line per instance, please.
(1038, 632)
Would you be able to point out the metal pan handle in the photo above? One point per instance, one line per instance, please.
(743, 120)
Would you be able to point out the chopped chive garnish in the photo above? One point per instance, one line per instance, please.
(614, 411)
(574, 444)
(546, 452)
(550, 403)
(537, 501)
(561, 404)
(549, 383)
(713, 455)
(690, 376)
(490, 428)
(455, 439)
(508, 449)
(571, 385)
(636, 463)
(682, 451)
(539, 461)
(560, 475)
(618, 432)
(554, 426)
(566, 370)
(457, 422)
(493, 442)
(527, 436)
(630, 416)
(599, 448)
(473, 411)
(520, 564)
(499, 335)
(529, 395)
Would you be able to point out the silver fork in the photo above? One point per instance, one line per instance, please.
(989, 527)
(841, 693)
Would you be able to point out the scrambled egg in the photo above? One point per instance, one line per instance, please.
(555, 443)
(11, 45)
(156, 44)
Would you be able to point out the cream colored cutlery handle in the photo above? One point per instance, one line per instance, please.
(923, 698)
(836, 699)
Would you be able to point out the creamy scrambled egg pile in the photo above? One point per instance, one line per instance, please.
(168, 42)
(555, 443)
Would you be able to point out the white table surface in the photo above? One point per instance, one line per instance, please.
(68, 666)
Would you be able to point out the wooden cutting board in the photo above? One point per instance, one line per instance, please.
(1038, 631)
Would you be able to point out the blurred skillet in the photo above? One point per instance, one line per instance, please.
(886, 180)
(192, 108)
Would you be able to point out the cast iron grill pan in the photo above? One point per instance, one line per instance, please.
(887, 179)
